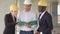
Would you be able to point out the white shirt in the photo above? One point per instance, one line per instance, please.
(26, 17)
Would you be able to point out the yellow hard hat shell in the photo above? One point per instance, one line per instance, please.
(42, 3)
(14, 7)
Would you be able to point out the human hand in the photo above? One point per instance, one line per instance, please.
(18, 24)
(29, 26)
(37, 33)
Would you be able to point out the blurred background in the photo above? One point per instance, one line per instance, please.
(53, 8)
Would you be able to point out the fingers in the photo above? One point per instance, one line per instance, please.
(29, 26)
(37, 33)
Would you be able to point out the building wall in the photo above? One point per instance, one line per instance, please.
(4, 9)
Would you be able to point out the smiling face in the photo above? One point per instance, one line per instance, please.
(14, 13)
(27, 7)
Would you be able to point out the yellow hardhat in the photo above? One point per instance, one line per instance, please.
(42, 3)
(14, 7)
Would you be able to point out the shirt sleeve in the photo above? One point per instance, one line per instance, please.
(35, 19)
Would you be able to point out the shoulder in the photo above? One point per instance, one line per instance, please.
(34, 13)
(19, 12)
(48, 14)
(8, 15)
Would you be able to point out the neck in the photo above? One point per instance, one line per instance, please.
(26, 10)
(12, 15)
(42, 12)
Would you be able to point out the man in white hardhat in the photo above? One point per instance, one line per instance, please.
(45, 19)
(27, 19)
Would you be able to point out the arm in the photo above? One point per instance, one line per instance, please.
(18, 18)
(7, 23)
(36, 25)
(49, 24)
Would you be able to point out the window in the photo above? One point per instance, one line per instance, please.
(58, 13)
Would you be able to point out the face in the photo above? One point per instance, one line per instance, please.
(27, 7)
(41, 8)
(14, 13)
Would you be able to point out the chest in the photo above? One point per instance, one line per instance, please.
(43, 21)
(10, 19)
(27, 16)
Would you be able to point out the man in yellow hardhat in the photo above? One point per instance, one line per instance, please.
(45, 19)
(10, 20)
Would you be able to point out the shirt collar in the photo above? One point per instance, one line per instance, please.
(27, 12)
(42, 14)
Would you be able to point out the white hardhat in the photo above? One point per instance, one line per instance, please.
(27, 2)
